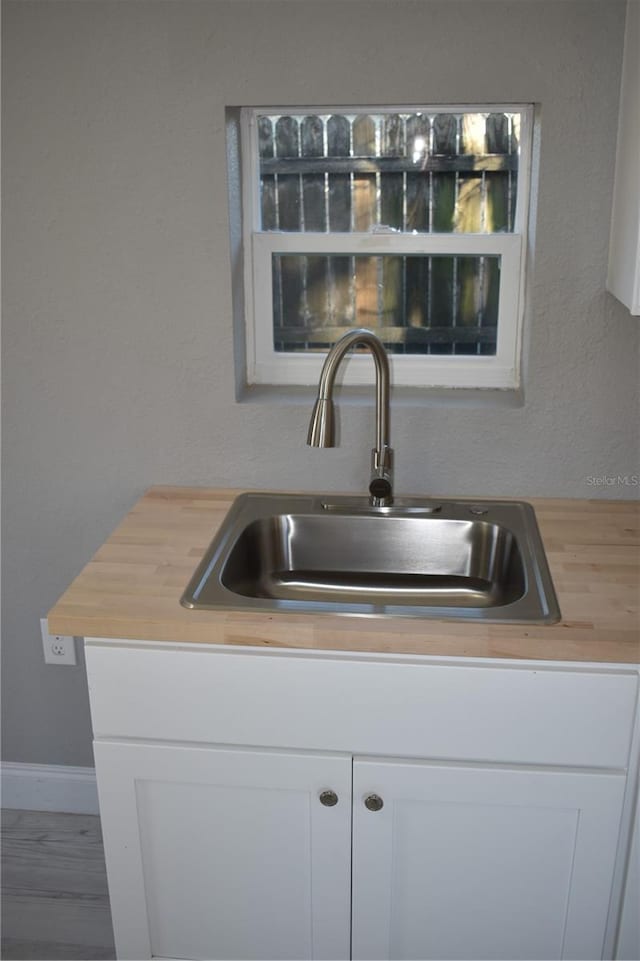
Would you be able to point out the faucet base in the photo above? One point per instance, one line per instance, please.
(380, 484)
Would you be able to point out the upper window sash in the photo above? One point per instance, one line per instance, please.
(251, 160)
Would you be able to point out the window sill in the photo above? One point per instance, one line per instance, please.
(401, 397)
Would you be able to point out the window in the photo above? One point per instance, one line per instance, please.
(409, 221)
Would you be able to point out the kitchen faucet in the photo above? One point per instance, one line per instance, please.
(321, 428)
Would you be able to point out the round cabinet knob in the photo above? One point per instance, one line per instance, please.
(373, 802)
(328, 798)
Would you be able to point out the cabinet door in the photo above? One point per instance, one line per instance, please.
(215, 853)
(482, 862)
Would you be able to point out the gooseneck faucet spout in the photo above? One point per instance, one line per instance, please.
(321, 428)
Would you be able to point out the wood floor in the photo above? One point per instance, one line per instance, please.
(54, 887)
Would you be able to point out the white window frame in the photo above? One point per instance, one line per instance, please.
(265, 365)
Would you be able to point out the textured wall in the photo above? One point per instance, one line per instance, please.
(118, 351)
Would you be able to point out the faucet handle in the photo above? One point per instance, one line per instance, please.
(380, 491)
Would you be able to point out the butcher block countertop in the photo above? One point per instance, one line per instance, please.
(132, 587)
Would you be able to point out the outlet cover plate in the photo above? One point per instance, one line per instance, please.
(58, 648)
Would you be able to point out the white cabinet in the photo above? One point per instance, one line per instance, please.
(482, 807)
(623, 279)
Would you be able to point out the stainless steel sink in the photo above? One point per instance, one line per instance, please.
(476, 560)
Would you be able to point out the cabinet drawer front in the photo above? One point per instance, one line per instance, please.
(413, 708)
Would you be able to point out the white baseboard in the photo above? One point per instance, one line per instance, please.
(49, 787)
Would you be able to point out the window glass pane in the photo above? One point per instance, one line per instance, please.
(436, 304)
(412, 172)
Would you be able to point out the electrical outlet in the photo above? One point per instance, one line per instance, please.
(58, 648)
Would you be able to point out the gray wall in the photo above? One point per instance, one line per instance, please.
(118, 352)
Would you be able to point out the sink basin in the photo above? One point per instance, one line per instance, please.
(476, 560)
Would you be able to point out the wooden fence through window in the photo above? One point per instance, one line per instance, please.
(423, 173)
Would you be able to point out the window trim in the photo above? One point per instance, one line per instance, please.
(266, 366)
